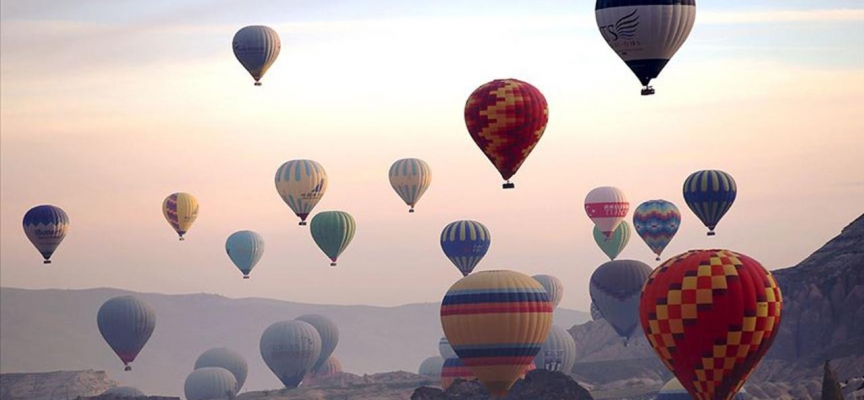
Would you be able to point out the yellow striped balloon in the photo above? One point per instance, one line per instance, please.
(410, 177)
(180, 210)
(496, 322)
(301, 184)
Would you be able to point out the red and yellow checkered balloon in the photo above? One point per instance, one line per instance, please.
(711, 315)
(506, 118)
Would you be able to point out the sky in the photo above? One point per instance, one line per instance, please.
(107, 107)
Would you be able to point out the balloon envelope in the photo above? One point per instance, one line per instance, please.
(717, 303)
(332, 232)
(301, 184)
(558, 352)
(710, 194)
(329, 333)
(465, 243)
(554, 288)
(656, 222)
(615, 288)
(607, 207)
(122, 392)
(290, 349)
(613, 246)
(126, 323)
(210, 383)
(46, 226)
(645, 34)
(256, 47)
(222, 357)
(180, 210)
(673, 390)
(506, 118)
(245, 249)
(496, 321)
(431, 366)
(454, 369)
(410, 178)
(445, 350)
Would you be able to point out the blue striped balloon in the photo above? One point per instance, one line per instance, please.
(46, 226)
(710, 194)
(465, 243)
(410, 177)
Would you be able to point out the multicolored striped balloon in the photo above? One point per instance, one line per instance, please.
(496, 322)
(506, 118)
(410, 177)
(465, 243)
(710, 194)
(301, 184)
(615, 288)
(673, 390)
(656, 222)
(710, 316)
(180, 210)
(614, 245)
(454, 369)
(332, 232)
(607, 206)
(46, 226)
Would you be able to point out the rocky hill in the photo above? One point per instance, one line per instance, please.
(397, 385)
(60, 385)
(823, 318)
(538, 384)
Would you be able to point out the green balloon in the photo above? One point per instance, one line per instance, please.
(332, 232)
(615, 244)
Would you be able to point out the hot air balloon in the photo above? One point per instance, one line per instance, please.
(656, 222)
(46, 226)
(431, 366)
(645, 34)
(329, 333)
(210, 383)
(496, 321)
(673, 390)
(245, 248)
(710, 316)
(301, 184)
(607, 207)
(126, 323)
(465, 243)
(454, 369)
(558, 352)
(710, 194)
(596, 315)
(445, 350)
(256, 47)
(410, 177)
(290, 349)
(181, 210)
(123, 392)
(332, 232)
(615, 244)
(225, 358)
(506, 118)
(615, 287)
(554, 288)
(331, 367)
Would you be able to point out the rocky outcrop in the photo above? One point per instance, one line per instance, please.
(59, 385)
(538, 384)
(397, 385)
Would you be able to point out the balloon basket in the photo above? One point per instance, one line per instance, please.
(128, 368)
(711, 233)
(333, 264)
(508, 185)
(302, 223)
(647, 91)
(257, 83)
(245, 276)
(46, 262)
(411, 210)
(657, 259)
(181, 238)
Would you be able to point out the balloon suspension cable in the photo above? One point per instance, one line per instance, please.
(333, 264)
(128, 368)
(302, 223)
(509, 185)
(647, 90)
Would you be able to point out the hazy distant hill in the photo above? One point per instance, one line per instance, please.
(823, 318)
(50, 330)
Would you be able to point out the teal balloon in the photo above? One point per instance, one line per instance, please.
(614, 245)
(332, 232)
(245, 249)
